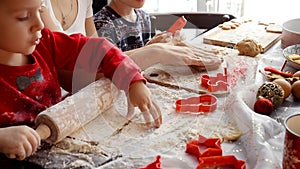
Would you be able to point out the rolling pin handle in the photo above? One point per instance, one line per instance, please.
(44, 131)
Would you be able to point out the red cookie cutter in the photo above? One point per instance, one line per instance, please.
(204, 147)
(215, 83)
(203, 103)
(154, 165)
(221, 161)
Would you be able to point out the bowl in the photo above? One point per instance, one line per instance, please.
(292, 55)
(290, 33)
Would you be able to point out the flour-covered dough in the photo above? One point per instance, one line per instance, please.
(249, 47)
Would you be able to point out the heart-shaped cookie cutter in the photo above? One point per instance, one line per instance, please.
(215, 83)
(203, 103)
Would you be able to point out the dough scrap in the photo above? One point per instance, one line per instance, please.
(248, 47)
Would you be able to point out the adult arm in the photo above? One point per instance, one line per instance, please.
(90, 27)
(168, 54)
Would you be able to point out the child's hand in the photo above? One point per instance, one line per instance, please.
(168, 37)
(140, 96)
(163, 37)
(18, 142)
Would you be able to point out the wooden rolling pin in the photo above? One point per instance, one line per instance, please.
(62, 119)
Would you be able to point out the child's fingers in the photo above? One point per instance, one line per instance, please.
(178, 36)
(28, 149)
(146, 114)
(12, 156)
(35, 141)
(21, 154)
(156, 114)
(161, 33)
(130, 109)
(163, 38)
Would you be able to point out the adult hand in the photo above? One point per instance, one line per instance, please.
(18, 142)
(174, 55)
(140, 96)
(167, 37)
(184, 55)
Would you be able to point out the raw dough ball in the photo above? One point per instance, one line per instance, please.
(248, 47)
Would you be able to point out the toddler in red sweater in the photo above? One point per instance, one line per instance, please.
(31, 58)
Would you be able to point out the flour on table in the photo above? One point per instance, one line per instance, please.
(131, 138)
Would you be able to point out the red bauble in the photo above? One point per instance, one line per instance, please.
(263, 106)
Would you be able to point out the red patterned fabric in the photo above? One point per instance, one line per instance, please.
(29, 89)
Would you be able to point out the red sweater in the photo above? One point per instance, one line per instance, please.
(29, 89)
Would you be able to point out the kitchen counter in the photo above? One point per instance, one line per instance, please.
(113, 141)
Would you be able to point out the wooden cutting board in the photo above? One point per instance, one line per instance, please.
(251, 29)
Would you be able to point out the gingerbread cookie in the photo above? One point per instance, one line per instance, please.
(274, 28)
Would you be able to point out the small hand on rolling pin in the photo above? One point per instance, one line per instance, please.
(139, 95)
(19, 142)
(60, 120)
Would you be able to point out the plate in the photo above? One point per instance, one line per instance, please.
(293, 49)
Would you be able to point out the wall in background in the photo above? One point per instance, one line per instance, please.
(167, 5)
(277, 11)
(268, 10)
(225, 6)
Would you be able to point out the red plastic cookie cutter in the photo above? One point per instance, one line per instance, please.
(215, 83)
(204, 147)
(154, 165)
(221, 162)
(203, 103)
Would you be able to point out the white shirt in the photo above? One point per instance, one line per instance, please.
(85, 11)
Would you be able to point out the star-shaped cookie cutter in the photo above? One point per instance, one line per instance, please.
(215, 83)
(203, 103)
(204, 147)
(209, 154)
(228, 161)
